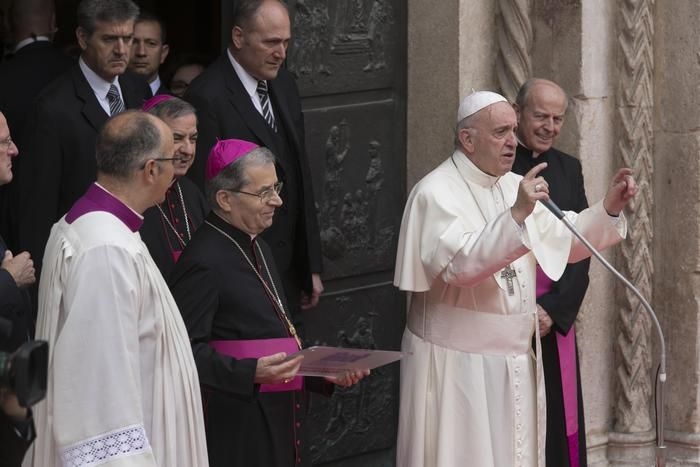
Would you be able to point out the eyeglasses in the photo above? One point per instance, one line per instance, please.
(7, 142)
(265, 195)
(163, 159)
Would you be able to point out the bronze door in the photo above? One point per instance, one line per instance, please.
(349, 57)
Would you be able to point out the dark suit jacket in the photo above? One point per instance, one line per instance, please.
(23, 77)
(21, 80)
(224, 110)
(59, 154)
(15, 311)
(163, 90)
(14, 331)
(14, 445)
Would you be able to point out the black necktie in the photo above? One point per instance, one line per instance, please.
(115, 101)
(265, 104)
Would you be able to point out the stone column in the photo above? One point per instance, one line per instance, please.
(632, 438)
(677, 225)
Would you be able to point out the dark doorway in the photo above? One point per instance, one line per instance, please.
(193, 26)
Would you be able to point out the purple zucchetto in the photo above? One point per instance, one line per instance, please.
(155, 100)
(476, 101)
(224, 153)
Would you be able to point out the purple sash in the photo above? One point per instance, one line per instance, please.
(566, 346)
(256, 348)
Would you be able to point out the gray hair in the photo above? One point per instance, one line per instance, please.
(245, 10)
(172, 108)
(233, 176)
(466, 122)
(92, 11)
(126, 142)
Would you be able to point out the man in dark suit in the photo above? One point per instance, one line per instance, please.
(59, 150)
(540, 106)
(245, 94)
(34, 64)
(16, 273)
(149, 50)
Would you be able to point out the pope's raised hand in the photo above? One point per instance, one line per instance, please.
(622, 189)
(532, 188)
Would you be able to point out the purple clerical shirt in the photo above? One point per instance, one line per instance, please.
(97, 198)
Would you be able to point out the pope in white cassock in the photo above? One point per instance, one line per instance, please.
(472, 233)
(122, 386)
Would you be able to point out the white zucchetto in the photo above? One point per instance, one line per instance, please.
(476, 101)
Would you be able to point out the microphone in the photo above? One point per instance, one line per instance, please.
(549, 204)
(659, 399)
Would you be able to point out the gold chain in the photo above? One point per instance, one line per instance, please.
(283, 314)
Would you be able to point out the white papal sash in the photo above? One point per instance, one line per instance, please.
(470, 331)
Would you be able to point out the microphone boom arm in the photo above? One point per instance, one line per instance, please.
(659, 402)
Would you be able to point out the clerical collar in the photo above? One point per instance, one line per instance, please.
(29, 40)
(471, 172)
(97, 198)
(234, 231)
(249, 82)
(520, 143)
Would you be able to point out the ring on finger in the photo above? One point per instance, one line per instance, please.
(538, 188)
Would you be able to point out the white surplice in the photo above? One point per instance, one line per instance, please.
(472, 390)
(123, 387)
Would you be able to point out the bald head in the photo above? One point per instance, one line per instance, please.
(29, 18)
(536, 86)
(128, 140)
(8, 151)
(540, 105)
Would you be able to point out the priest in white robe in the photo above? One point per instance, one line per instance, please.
(472, 234)
(122, 386)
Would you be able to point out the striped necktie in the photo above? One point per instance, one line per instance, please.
(266, 105)
(115, 101)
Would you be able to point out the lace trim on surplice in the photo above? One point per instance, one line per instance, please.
(124, 442)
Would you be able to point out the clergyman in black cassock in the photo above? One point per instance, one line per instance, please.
(169, 226)
(541, 105)
(228, 288)
(220, 298)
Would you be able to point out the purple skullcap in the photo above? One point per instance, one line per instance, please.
(225, 152)
(155, 100)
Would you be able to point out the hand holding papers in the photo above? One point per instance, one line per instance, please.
(339, 365)
(337, 362)
(275, 371)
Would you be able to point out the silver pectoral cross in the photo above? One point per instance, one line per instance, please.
(508, 274)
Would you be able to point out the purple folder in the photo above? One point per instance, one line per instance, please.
(256, 348)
